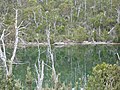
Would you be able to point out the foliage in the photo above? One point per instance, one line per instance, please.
(18, 85)
(79, 34)
(104, 77)
(10, 84)
(63, 16)
(29, 79)
(67, 20)
(117, 39)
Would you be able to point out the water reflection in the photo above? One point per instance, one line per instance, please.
(74, 63)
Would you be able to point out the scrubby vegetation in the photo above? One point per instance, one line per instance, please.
(68, 20)
(50, 21)
(104, 77)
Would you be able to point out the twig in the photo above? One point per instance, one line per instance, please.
(118, 56)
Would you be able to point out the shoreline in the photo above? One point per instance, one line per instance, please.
(61, 44)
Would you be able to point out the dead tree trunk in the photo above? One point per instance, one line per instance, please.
(3, 53)
(118, 16)
(40, 72)
(8, 66)
(54, 75)
(15, 44)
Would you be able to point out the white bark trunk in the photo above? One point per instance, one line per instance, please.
(71, 14)
(3, 53)
(54, 75)
(15, 44)
(85, 10)
(40, 76)
(118, 16)
(39, 71)
(35, 19)
(118, 56)
(78, 13)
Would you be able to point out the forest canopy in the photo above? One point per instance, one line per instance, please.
(68, 20)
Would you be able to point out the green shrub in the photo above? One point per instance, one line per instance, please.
(104, 77)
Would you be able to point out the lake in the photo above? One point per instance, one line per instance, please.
(73, 63)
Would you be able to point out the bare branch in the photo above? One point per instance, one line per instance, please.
(3, 44)
(22, 40)
(15, 44)
(118, 56)
(24, 27)
(39, 71)
(35, 19)
(42, 73)
(16, 37)
(36, 69)
(54, 75)
(20, 24)
(111, 30)
(48, 66)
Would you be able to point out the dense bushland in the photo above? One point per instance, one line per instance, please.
(68, 20)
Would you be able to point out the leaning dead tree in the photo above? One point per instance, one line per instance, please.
(8, 62)
(15, 43)
(54, 75)
(3, 53)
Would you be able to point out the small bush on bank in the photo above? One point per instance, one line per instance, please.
(104, 77)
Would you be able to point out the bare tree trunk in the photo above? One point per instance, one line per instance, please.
(111, 3)
(40, 76)
(15, 44)
(3, 53)
(118, 56)
(71, 14)
(78, 13)
(118, 17)
(99, 33)
(35, 19)
(54, 75)
(55, 31)
(40, 72)
(85, 9)
(8, 67)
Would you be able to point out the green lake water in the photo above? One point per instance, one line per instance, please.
(74, 63)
